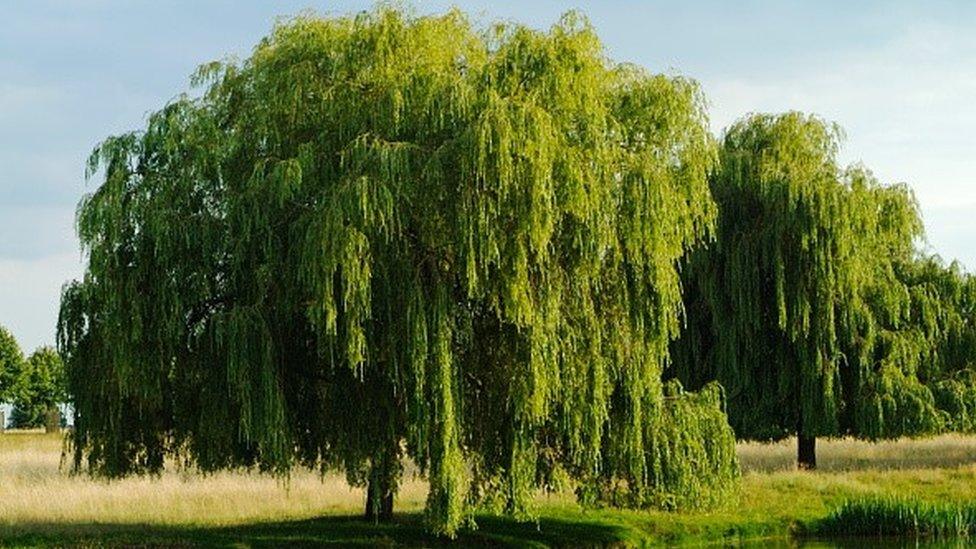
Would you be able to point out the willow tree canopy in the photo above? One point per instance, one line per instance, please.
(383, 234)
(797, 307)
(944, 306)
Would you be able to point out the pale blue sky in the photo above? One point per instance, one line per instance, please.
(899, 76)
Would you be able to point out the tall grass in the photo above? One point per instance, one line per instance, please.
(847, 454)
(894, 517)
(37, 489)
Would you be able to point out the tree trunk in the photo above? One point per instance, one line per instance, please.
(384, 474)
(806, 452)
(52, 420)
(381, 510)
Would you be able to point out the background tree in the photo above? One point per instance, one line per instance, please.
(40, 388)
(943, 301)
(384, 235)
(796, 307)
(11, 364)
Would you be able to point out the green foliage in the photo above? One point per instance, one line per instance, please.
(23, 419)
(691, 455)
(881, 377)
(383, 234)
(944, 327)
(955, 397)
(898, 517)
(924, 381)
(796, 308)
(893, 404)
(39, 388)
(11, 363)
(944, 306)
(26, 418)
(694, 453)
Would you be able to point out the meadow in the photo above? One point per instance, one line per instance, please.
(43, 503)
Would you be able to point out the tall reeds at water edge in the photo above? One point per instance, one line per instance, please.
(898, 517)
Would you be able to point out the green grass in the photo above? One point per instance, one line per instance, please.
(906, 518)
(40, 504)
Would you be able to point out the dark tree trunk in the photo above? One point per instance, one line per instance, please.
(381, 510)
(806, 452)
(384, 474)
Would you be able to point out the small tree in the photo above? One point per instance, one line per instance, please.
(40, 389)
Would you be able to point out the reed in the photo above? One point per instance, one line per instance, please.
(899, 517)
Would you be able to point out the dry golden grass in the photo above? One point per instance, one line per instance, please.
(848, 454)
(36, 489)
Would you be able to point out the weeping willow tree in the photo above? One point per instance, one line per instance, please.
(386, 236)
(796, 308)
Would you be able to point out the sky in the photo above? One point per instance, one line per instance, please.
(900, 78)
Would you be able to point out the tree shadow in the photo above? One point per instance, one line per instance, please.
(340, 531)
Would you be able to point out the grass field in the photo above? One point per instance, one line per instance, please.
(42, 504)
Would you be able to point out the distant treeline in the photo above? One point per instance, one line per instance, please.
(34, 385)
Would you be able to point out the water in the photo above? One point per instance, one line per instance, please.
(856, 543)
